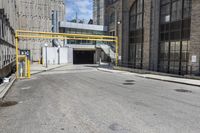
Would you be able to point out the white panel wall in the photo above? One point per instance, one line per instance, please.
(52, 55)
(70, 55)
(65, 56)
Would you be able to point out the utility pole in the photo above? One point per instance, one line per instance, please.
(76, 17)
(46, 45)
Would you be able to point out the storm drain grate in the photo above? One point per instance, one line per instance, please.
(183, 90)
(7, 103)
(130, 80)
(128, 83)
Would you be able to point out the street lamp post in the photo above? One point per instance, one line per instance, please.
(46, 45)
(117, 23)
(59, 55)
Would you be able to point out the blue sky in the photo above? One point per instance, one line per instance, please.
(82, 7)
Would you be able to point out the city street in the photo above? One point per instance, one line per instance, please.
(82, 99)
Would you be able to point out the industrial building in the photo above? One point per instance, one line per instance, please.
(33, 15)
(37, 15)
(8, 24)
(157, 35)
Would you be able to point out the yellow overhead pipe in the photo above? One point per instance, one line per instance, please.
(65, 34)
(64, 38)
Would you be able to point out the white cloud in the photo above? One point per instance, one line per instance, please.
(82, 7)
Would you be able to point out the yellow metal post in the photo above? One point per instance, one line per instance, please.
(117, 51)
(28, 69)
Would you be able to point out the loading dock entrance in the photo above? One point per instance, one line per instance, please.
(31, 35)
(83, 57)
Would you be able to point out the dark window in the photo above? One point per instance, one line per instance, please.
(0, 27)
(111, 1)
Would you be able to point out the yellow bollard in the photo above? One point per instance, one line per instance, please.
(29, 69)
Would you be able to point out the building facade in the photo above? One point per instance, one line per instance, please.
(173, 37)
(99, 12)
(36, 15)
(157, 35)
(8, 24)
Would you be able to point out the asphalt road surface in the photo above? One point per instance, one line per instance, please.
(80, 99)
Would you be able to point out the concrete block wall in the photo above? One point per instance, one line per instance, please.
(36, 15)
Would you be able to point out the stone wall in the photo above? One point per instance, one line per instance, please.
(127, 4)
(194, 49)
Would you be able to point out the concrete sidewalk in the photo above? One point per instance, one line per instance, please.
(186, 81)
(4, 87)
(37, 68)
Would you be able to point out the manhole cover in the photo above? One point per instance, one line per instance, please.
(183, 90)
(128, 83)
(130, 80)
(7, 103)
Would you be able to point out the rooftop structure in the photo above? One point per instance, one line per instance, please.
(80, 26)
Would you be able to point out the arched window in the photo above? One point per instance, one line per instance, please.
(136, 34)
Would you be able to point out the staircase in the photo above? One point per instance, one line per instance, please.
(108, 50)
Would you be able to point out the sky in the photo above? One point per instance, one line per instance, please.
(82, 7)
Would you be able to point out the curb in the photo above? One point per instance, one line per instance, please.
(170, 81)
(7, 88)
(141, 76)
(141, 71)
(103, 70)
(109, 70)
(42, 71)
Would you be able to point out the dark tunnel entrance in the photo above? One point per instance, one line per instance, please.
(83, 57)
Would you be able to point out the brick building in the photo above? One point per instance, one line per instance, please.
(157, 35)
